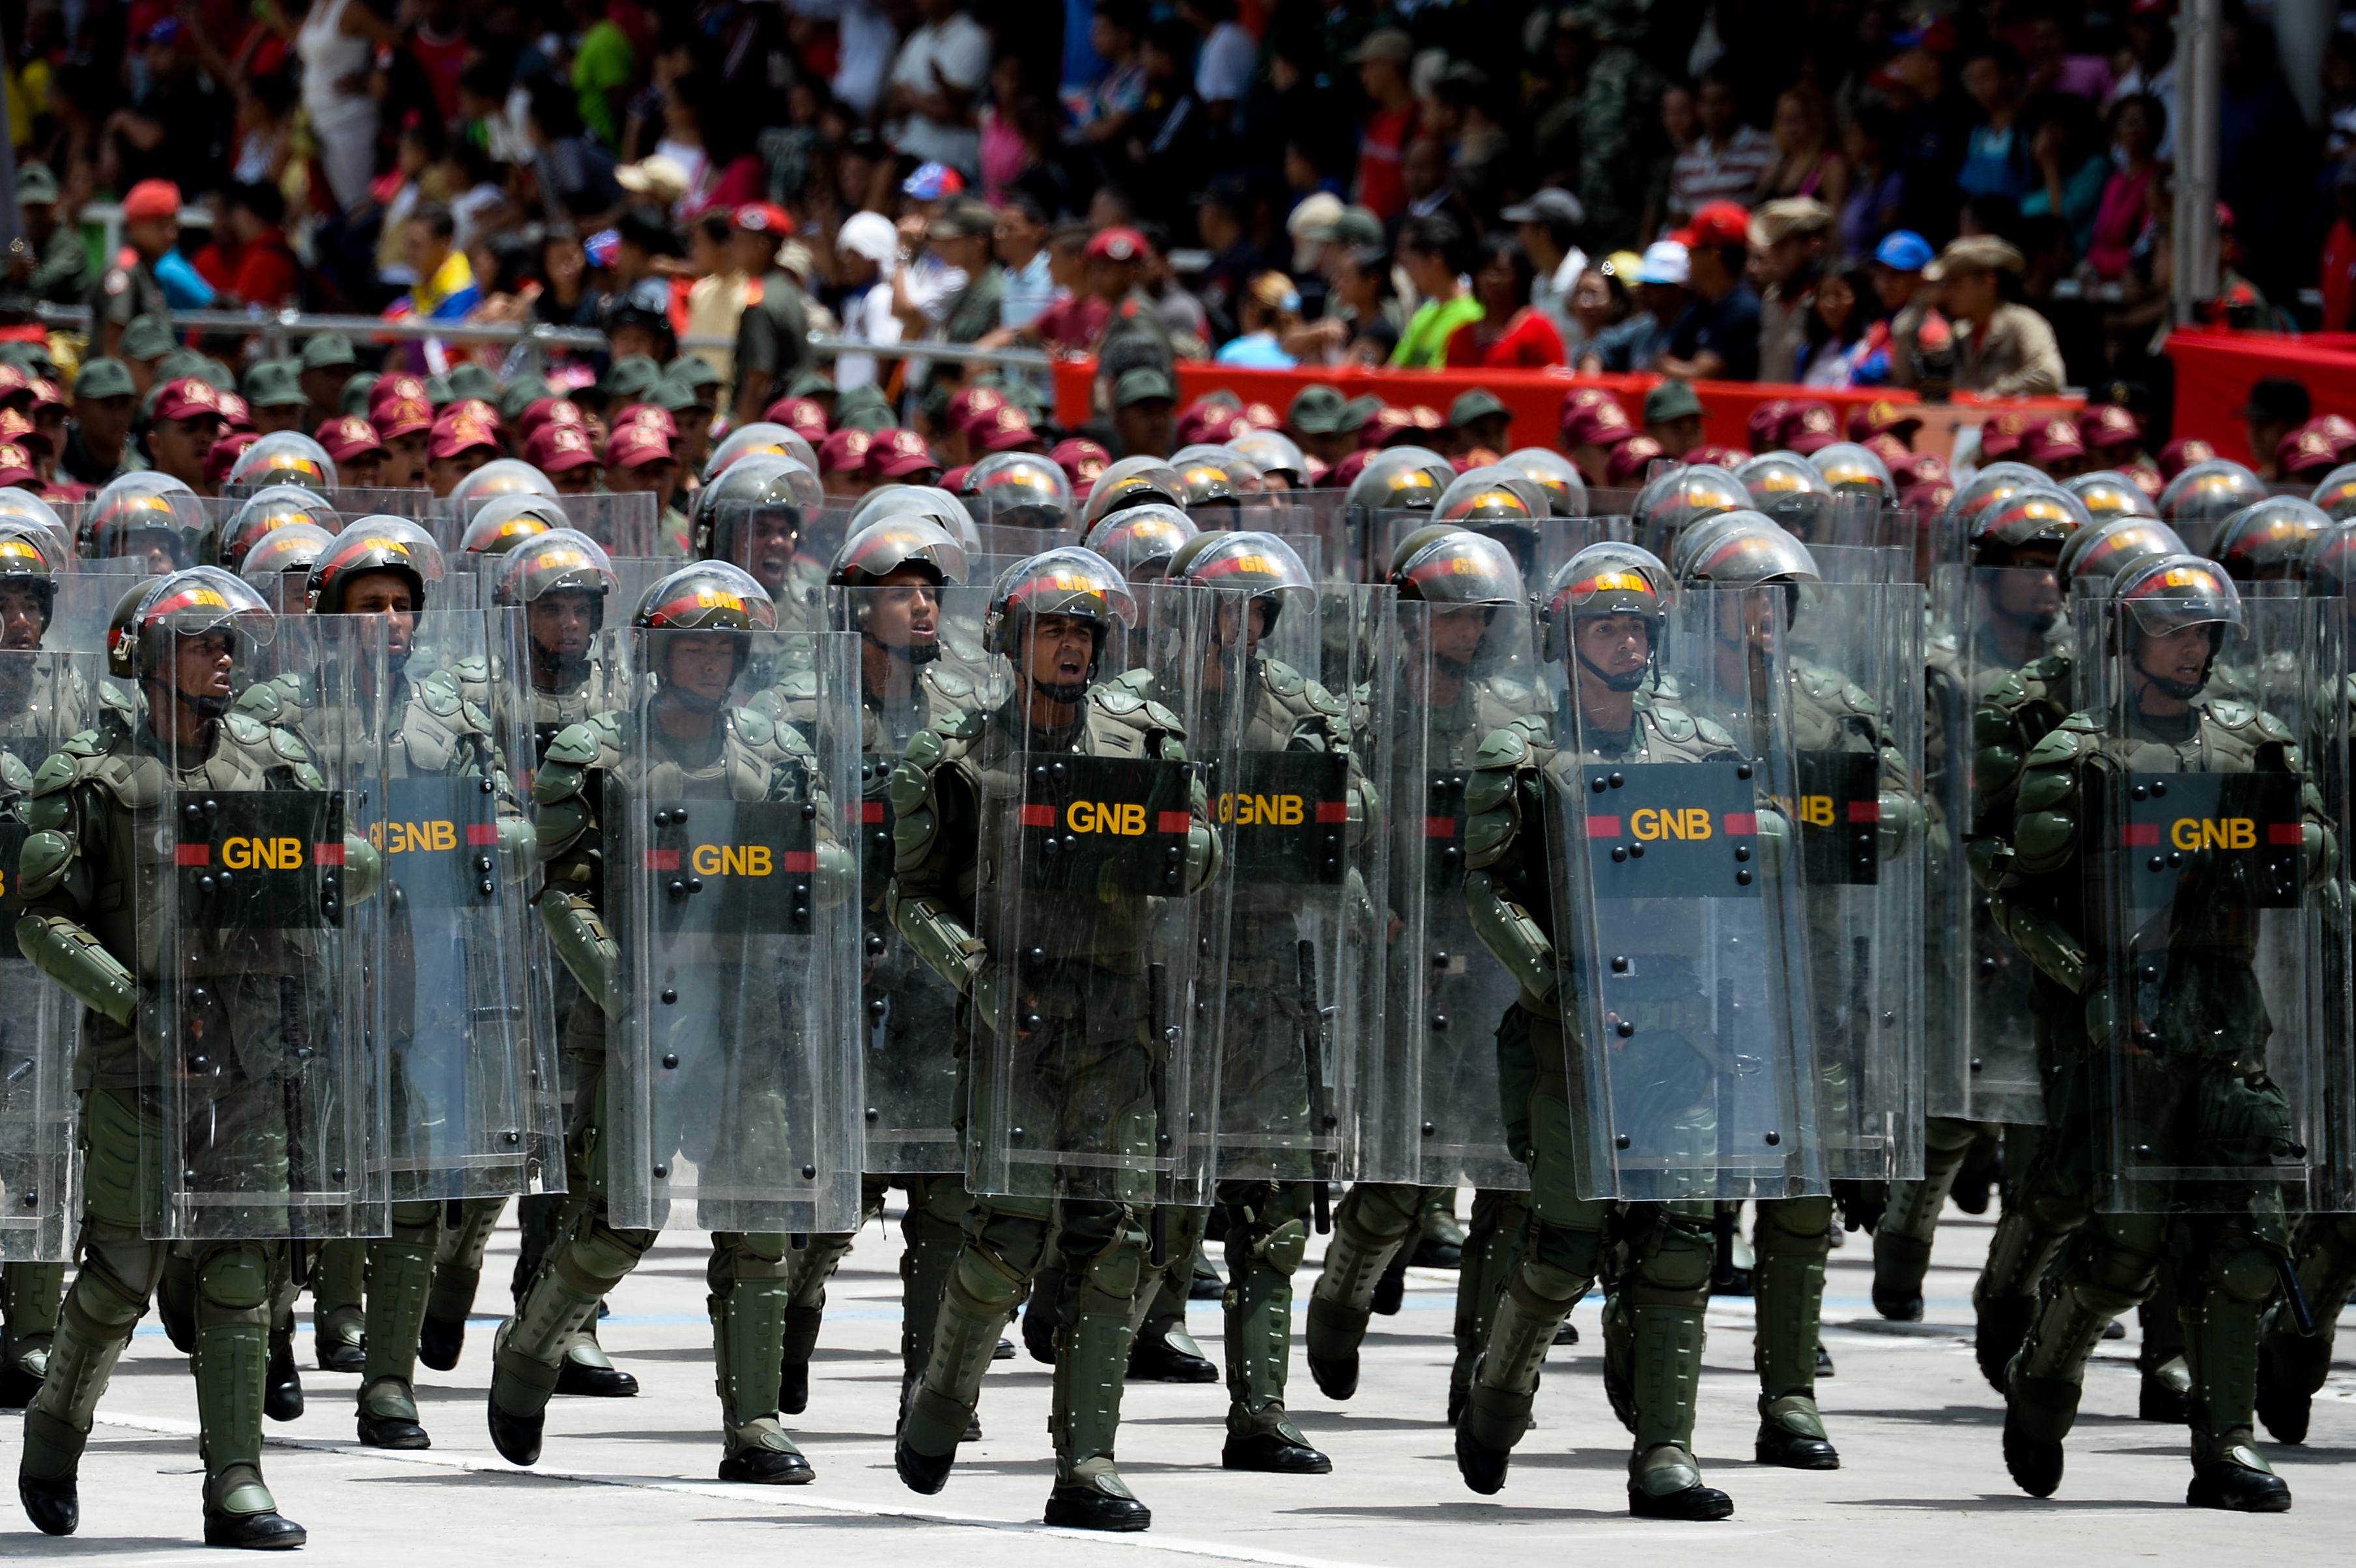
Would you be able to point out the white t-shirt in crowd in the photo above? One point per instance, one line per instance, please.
(960, 49)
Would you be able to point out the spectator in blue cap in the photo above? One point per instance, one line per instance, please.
(1897, 263)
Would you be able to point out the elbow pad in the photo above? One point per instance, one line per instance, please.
(74, 959)
(581, 941)
(836, 878)
(954, 953)
(519, 847)
(1509, 933)
(1203, 855)
(363, 870)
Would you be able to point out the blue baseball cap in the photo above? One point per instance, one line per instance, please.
(930, 182)
(1903, 250)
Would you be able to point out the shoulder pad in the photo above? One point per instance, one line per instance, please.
(2010, 691)
(89, 743)
(1324, 701)
(948, 684)
(756, 728)
(1116, 700)
(1673, 722)
(924, 751)
(59, 772)
(1860, 700)
(283, 741)
(2058, 747)
(1504, 748)
(1282, 679)
(247, 730)
(575, 746)
(1164, 717)
(799, 685)
(1816, 681)
(1715, 733)
(473, 667)
(2082, 724)
(1138, 682)
(439, 693)
(1505, 689)
(259, 700)
(2231, 713)
(966, 724)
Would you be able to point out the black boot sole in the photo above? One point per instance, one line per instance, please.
(1161, 1364)
(391, 1432)
(440, 1344)
(2236, 1491)
(1431, 1254)
(1335, 1379)
(1094, 1510)
(253, 1532)
(1899, 1308)
(793, 1388)
(1790, 1451)
(516, 1437)
(2035, 1467)
(1481, 1466)
(1272, 1455)
(767, 1467)
(1696, 1504)
(596, 1383)
(1568, 1334)
(925, 1474)
(343, 1357)
(54, 1507)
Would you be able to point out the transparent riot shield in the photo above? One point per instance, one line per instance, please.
(919, 664)
(2206, 1004)
(470, 1066)
(1680, 919)
(1429, 1109)
(45, 700)
(2004, 620)
(1855, 673)
(1089, 1077)
(261, 1022)
(1299, 815)
(734, 1065)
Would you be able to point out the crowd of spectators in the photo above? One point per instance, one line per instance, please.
(1837, 193)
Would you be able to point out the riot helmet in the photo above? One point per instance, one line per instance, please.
(503, 523)
(1018, 489)
(1133, 481)
(1606, 579)
(2106, 493)
(267, 510)
(152, 618)
(1558, 475)
(2263, 541)
(2163, 595)
(1140, 541)
(284, 457)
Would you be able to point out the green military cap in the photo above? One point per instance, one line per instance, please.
(437, 391)
(36, 186)
(273, 383)
(1222, 398)
(353, 401)
(812, 383)
(1314, 411)
(103, 377)
(519, 394)
(1354, 414)
(147, 337)
(628, 378)
(328, 351)
(471, 380)
(178, 362)
(694, 370)
(673, 395)
(1478, 403)
(216, 374)
(1141, 385)
(33, 358)
(863, 407)
(1357, 226)
(1673, 399)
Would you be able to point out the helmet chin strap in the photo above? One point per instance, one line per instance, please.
(1066, 692)
(1627, 681)
(693, 702)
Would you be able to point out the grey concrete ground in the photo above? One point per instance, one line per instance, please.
(630, 1481)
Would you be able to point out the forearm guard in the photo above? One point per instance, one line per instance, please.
(2056, 952)
(1509, 933)
(956, 954)
(836, 875)
(519, 847)
(363, 870)
(73, 957)
(581, 941)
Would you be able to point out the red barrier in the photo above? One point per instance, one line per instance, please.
(1535, 397)
(2214, 372)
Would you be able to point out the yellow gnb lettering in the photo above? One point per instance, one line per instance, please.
(2209, 833)
(1817, 810)
(263, 854)
(1263, 811)
(1679, 822)
(1124, 818)
(732, 860)
(405, 838)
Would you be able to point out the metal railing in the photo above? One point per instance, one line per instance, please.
(277, 327)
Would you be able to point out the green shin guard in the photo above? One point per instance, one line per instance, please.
(339, 1305)
(458, 1259)
(974, 1306)
(748, 1331)
(1491, 1248)
(230, 1360)
(1367, 1232)
(400, 1273)
(94, 1327)
(1258, 1310)
(579, 1270)
(2221, 1325)
(1531, 1307)
(925, 1268)
(1665, 1354)
(31, 1296)
(1091, 1365)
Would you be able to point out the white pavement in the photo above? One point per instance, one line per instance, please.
(629, 1481)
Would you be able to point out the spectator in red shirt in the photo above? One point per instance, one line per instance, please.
(1511, 333)
(1115, 258)
(248, 261)
(1390, 124)
(2339, 270)
(438, 44)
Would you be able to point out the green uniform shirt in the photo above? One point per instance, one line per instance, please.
(62, 275)
(125, 292)
(774, 335)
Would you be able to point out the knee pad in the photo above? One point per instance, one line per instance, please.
(416, 1224)
(233, 1285)
(1673, 1262)
(1376, 1214)
(2246, 1274)
(121, 1272)
(1110, 1279)
(1564, 1252)
(1796, 1225)
(736, 1257)
(599, 1257)
(1282, 1248)
(1555, 1286)
(1947, 1135)
(983, 1282)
